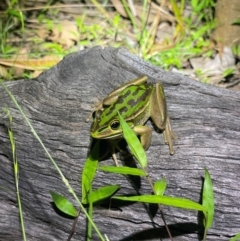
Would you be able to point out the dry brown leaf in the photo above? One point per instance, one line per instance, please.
(42, 33)
(119, 7)
(23, 53)
(36, 73)
(65, 33)
(31, 64)
(3, 72)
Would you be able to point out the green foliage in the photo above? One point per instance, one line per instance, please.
(235, 238)
(208, 202)
(208, 199)
(65, 181)
(165, 200)
(16, 172)
(193, 35)
(91, 196)
(63, 204)
(129, 13)
(8, 22)
(89, 170)
(236, 50)
(228, 72)
(160, 186)
(191, 38)
(123, 170)
(101, 194)
(133, 143)
(236, 22)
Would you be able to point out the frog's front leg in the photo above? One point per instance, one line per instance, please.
(145, 134)
(158, 113)
(110, 99)
(107, 101)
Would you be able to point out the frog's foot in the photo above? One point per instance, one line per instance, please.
(125, 155)
(169, 136)
(114, 157)
(89, 116)
(96, 106)
(114, 146)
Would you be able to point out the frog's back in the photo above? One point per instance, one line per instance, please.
(131, 102)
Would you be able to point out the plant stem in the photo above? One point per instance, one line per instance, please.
(159, 206)
(70, 189)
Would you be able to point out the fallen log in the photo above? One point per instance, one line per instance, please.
(205, 119)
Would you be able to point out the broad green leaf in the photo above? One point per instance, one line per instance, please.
(236, 50)
(235, 238)
(160, 186)
(101, 193)
(194, 3)
(89, 170)
(63, 204)
(208, 200)
(90, 213)
(228, 71)
(116, 20)
(237, 22)
(199, 7)
(165, 200)
(133, 143)
(123, 170)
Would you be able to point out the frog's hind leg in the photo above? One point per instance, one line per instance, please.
(114, 146)
(159, 115)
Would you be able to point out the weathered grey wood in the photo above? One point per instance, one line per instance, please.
(205, 119)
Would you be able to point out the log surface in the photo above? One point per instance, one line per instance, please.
(205, 119)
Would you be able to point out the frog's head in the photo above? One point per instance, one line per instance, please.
(106, 125)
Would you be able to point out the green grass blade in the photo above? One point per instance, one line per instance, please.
(236, 22)
(122, 170)
(89, 171)
(164, 200)
(129, 13)
(160, 186)
(16, 174)
(102, 193)
(63, 204)
(65, 181)
(90, 213)
(235, 238)
(208, 200)
(133, 143)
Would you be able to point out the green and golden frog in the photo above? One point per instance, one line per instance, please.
(136, 101)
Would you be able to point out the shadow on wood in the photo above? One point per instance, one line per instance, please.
(205, 119)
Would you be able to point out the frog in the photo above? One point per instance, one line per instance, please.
(136, 101)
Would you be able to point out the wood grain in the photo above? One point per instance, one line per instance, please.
(205, 119)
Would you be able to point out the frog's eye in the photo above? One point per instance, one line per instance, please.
(114, 124)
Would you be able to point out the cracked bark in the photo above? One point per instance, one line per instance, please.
(205, 119)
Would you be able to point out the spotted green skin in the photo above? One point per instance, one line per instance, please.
(133, 105)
